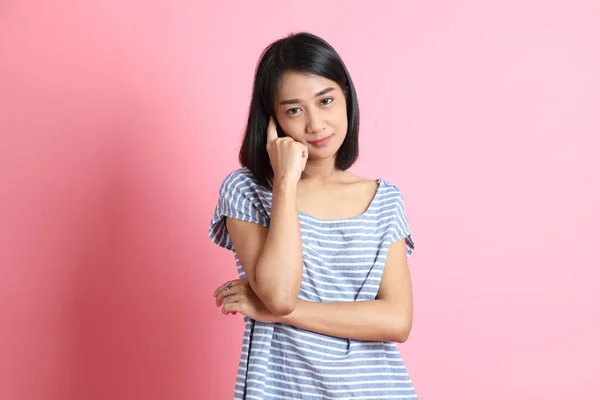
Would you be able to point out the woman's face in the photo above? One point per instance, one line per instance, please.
(312, 110)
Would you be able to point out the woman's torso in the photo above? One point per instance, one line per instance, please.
(343, 261)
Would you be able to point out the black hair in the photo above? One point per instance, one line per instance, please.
(305, 53)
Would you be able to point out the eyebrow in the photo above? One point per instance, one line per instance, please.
(296, 101)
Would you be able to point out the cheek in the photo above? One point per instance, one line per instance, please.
(341, 118)
(291, 126)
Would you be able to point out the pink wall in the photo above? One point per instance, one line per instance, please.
(119, 119)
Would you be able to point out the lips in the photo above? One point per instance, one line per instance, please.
(321, 142)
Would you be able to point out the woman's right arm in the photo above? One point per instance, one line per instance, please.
(272, 258)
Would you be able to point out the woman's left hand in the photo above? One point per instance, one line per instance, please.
(240, 298)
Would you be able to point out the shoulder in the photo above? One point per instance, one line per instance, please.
(394, 208)
(238, 180)
(386, 191)
(390, 195)
(358, 185)
(383, 184)
(390, 188)
(241, 184)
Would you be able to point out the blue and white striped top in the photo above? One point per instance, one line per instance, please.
(343, 261)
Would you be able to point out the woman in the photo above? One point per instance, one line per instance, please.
(321, 253)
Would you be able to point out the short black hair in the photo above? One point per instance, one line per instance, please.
(304, 53)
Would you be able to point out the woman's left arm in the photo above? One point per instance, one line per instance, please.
(387, 318)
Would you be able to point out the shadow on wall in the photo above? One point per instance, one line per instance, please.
(105, 289)
(133, 306)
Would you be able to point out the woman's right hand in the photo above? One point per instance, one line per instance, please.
(288, 157)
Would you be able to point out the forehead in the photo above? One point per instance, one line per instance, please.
(296, 85)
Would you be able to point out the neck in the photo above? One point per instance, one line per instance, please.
(323, 171)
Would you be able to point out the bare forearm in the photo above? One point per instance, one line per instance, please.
(376, 320)
(279, 269)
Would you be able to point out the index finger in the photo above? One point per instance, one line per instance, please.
(271, 131)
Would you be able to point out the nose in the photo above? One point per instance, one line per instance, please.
(315, 123)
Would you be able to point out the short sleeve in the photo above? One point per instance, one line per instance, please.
(400, 227)
(238, 199)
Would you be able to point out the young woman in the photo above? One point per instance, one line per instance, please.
(321, 253)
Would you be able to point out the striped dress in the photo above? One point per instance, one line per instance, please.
(343, 261)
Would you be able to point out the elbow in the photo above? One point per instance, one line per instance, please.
(402, 335)
(281, 308)
(279, 305)
(401, 331)
(279, 300)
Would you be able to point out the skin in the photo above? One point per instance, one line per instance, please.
(308, 108)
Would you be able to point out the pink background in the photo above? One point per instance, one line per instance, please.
(119, 119)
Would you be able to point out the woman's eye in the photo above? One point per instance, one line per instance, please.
(295, 110)
(327, 101)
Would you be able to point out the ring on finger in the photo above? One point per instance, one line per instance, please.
(228, 288)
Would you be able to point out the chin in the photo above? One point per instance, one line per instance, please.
(323, 154)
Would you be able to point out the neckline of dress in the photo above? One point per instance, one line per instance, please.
(367, 211)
